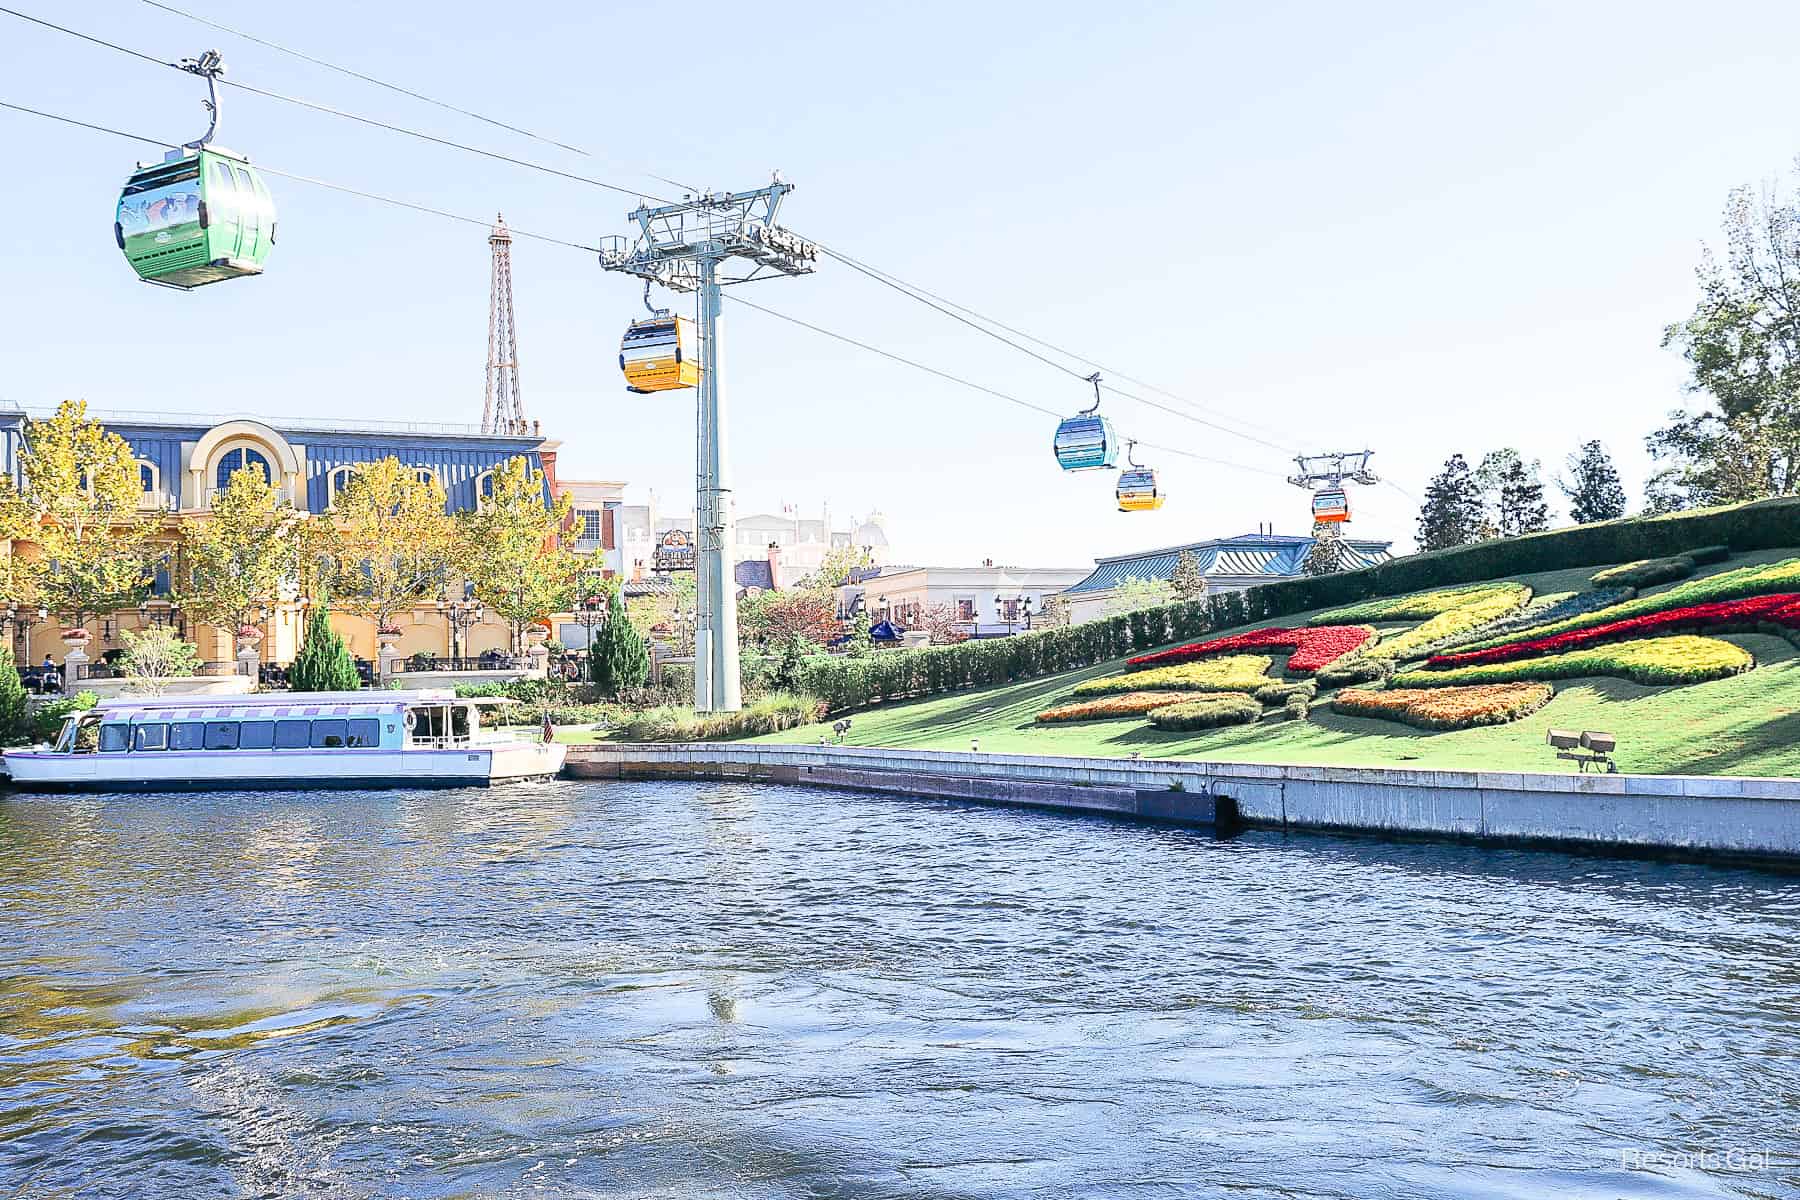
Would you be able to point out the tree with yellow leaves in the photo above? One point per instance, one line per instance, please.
(511, 549)
(80, 505)
(244, 554)
(388, 544)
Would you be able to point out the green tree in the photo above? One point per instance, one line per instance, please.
(154, 656)
(1742, 344)
(1593, 487)
(618, 661)
(324, 663)
(1521, 507)
(1327, 552)
(1188, 581)
(96, 555)
(1452, 513)
(12, 695)
(1132, 594)
(390, 541)
(242, 554)
(510, 549)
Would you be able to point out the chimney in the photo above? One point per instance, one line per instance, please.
(775, 566)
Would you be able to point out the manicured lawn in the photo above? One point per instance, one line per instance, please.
(1745, 725)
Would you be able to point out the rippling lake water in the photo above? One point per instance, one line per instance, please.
(682, 990)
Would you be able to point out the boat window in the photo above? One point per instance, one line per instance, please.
(459, 722)
(153, 735)
(187, 735)
(328, 735)
(65, 738)
(365, 733)
(114, 738)
(292, 735)
(256, 735)
(222, 735)
(87, 736)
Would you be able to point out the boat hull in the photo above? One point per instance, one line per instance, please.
(284, 770)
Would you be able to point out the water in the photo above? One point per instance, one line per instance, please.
(681, 990)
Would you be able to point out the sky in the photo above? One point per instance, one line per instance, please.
(1415, 228)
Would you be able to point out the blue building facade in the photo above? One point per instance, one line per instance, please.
(182, 461)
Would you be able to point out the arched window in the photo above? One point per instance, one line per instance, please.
(238, 458)
(336, 481)
(149, 484)
(425, 474)
(484, 488)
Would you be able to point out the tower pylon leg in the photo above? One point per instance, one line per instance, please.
(716, 679)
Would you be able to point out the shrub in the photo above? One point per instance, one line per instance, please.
(618, 659)
(1297, 708)
(1543, 610)
(324, 663)
(1654, 662)
(1239, 673)
(1704, 555)
(1783, 576)
(1447, 708)
(12, 695)
(47, 721)
(1645, 573)
(1277, 694)
(1781, 610)
(1207, 713)
(1356, 669)
(1477, 608)
(1313, 647)
(1106, 708)
(771, 714)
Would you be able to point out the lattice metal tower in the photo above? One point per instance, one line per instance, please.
(682, 247)
(1324, 475)
(504, 409)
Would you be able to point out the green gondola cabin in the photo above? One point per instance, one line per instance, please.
(197, 217)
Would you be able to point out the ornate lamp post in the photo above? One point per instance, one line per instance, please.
(21, 620)
(1025, 607)
(461, 615)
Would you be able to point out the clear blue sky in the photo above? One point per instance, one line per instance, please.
(1423, 227)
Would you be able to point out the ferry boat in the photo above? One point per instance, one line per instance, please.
(375, 739)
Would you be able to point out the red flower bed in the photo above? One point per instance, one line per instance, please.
(1782, 609)
(1313, 648)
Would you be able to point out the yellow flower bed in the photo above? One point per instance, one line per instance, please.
(1105, 708)
(1477, 609)
(1417, 607)
(1236, 673)
(1652, 661)
(1447, 708)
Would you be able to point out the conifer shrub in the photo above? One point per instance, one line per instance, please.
(324, 663)
(618, 661)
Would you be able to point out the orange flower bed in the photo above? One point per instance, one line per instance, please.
(1447, 708)
(1103, 708)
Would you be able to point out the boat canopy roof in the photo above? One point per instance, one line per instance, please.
(268, 705)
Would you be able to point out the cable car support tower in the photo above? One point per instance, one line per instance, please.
(1324, 475)
(701, 245)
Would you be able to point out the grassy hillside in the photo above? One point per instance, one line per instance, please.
(1744, 725)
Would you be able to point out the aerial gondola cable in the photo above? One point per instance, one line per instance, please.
(921, 295)
(485, 223)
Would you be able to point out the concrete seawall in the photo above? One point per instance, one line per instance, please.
(1690, 816)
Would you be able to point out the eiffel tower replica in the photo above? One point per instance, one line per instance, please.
(503, 411)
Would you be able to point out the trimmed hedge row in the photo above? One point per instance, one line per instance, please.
(1645, 573)
(1209, 713)
(1109, 708)
(847, 683)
